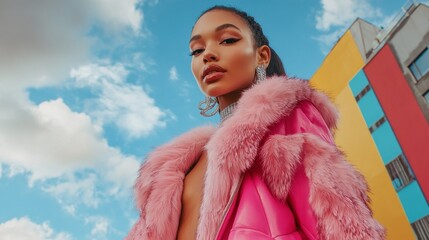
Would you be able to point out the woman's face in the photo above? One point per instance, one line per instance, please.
(223, 54)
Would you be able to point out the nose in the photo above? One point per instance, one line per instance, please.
(209, 56)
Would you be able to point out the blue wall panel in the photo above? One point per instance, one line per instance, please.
(370, 108)
(414, 202)
(386, 142)
(358, 83)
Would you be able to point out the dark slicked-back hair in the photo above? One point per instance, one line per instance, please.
(276, 65)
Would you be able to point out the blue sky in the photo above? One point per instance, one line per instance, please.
(88, 88)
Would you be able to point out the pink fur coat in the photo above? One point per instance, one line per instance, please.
(337, 195)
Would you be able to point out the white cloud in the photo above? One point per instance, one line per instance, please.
(337, 15)
(100, 226)
(126, 105)
(120, 170)
(328, 39)
(70, 209)
(185, 89)
(153, 2)
(24, 229)
(14, 170)
(114, 178)
(40, 41)
(173, 74)
(71, 189)
(183, 86)
(142, 63)
(49, 141)
(344, 12)
(62, 150)
(118, 14)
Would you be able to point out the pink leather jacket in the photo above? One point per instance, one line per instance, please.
(256, 214)
(273, 172)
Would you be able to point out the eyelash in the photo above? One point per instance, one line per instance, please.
(225, 41)
(196, 52)
(230, 40)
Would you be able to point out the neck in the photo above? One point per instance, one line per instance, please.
(228, 99)
(227, 104)
(228, 111)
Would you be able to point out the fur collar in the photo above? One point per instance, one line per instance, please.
(232, 149)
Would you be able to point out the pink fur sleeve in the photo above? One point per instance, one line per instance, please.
(326, 194)
(305, 119)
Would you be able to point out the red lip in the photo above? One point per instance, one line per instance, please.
(214, 70)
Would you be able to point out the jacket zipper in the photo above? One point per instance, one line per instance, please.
(228, 206)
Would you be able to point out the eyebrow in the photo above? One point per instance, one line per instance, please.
(219, 28)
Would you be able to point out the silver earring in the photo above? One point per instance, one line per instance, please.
(261, 74)
(208, 104)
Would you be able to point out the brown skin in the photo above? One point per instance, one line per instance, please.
(231, 48)
(192, 196)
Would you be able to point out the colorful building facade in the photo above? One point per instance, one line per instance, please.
(379, 79)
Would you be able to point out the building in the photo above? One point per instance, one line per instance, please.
(379, 79)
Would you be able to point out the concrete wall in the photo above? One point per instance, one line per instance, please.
(408, 40)
(364, 34)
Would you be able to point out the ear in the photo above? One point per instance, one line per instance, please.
(264, 55)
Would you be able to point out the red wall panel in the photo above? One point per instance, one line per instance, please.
(403, 112)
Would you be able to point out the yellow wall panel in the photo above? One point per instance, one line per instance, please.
(355, 140)
(339, 67)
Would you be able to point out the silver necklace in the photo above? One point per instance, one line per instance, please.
(227, 112)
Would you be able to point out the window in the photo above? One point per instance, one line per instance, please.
(420, 66)
(377, 124)
(362, 93)
(400, 172)
(421, 228)
(426, 96)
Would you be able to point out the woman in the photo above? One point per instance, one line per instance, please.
(270, 170)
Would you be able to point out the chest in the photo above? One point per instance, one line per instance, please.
(193, 183)
(193, 186)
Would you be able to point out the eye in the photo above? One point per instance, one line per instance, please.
(196, 52)
(230, 41)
